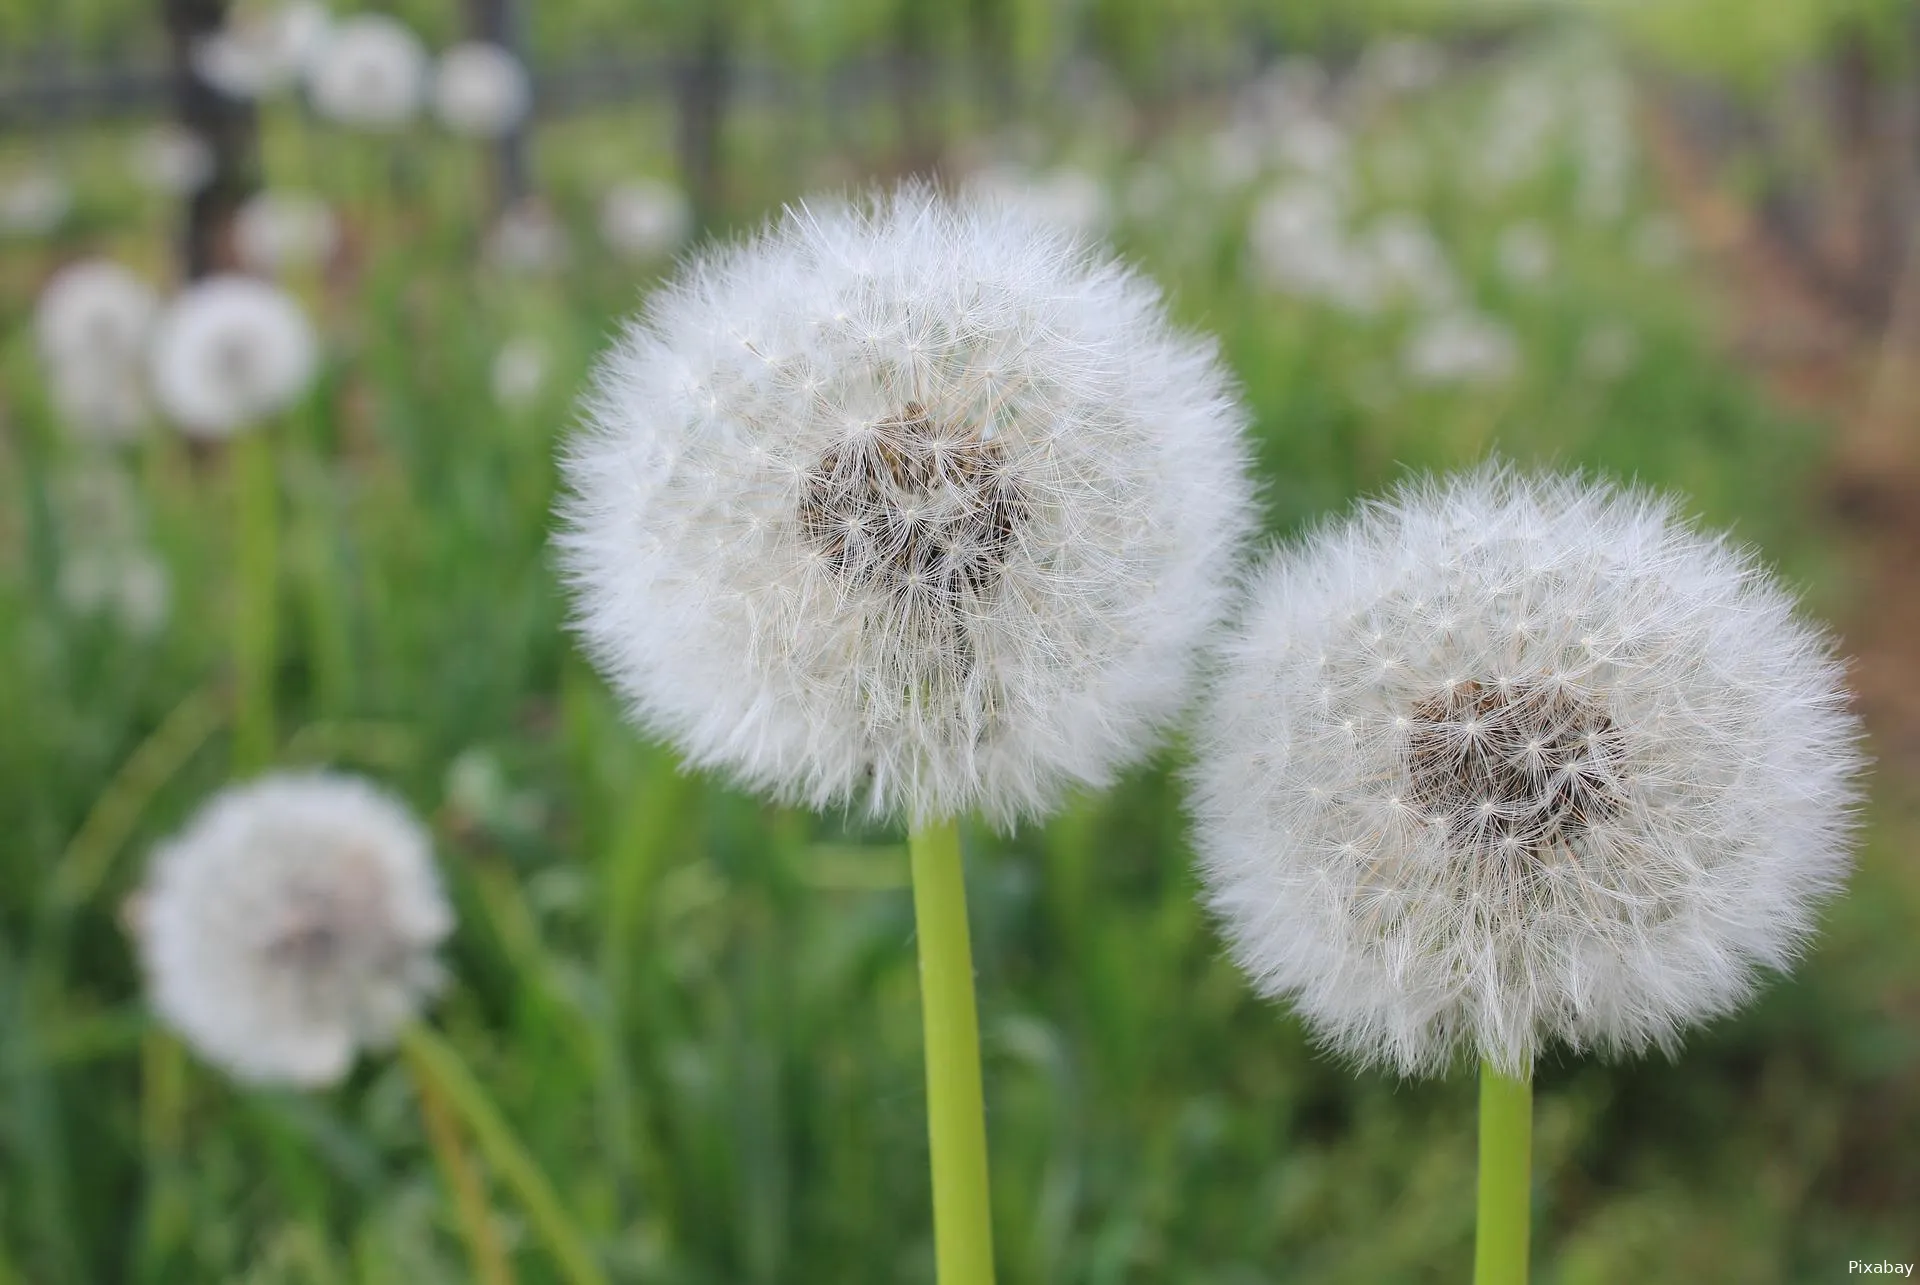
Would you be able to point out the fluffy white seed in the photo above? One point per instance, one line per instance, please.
(1500, 762)
(171, 159)
(33, 202)
(916, 506)
(92, 322)
(261, 50)
(291, 924)
(369, 74)
(1461, 347)
(644, 219)
(228, 352)
(281, 231)
(480, 90)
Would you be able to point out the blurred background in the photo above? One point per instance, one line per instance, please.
(1670, 239)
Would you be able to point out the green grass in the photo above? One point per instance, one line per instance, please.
(698, 1013)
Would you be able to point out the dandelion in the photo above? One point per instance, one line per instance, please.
(1066, 197)
(33, 203)
(94, 312)
(292, 924)
(1461, 347)
(128, 584)
(228, 352)
(281, 231)
(528, 239)
(480, 90)
(519, 372)
(261, 50)
(172, 160)
(1407, 262)
(92, 322)
(1608, 350)
(1501, 763)
(916, 507)
(921, 507)
(369, 74)
(644, 219)
(1524, 253)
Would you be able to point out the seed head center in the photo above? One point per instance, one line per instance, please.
(1515, 765)
(914, 507)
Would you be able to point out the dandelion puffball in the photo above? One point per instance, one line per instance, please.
(172, 160)
(291, 924)
(1503, 761)
(33, 203)
(94, 312)
(369, 74)
(279, 231)
(229, 351)
(480, 90)
(1461, 347)
(644, 219)
(916, 506)
(261, 50)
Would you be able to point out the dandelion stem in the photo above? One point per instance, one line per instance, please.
(1506, 1146)
(956, 1110)
(490, 1264)
(256, 614)
(433, 1059)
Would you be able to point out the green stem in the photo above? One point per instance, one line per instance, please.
(1506, 1147)
(956, 1109)
(433, 1059)
(256, 614)
(469, 1197)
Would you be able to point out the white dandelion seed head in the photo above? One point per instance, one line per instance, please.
(172, 160)
(527, 239)
(94, 313)
(127, 584)
(261, 49)
(228, 352)
(644, 219)
(291, 924)
(370, 73)
(1524, 253)
(1461, 347)
(1500, 762)
(1065, 197)
(33, 203)
(519, 372)
(918, 506)
(278, 231)
(1608, 350)
(1408, 263)
(481, 90)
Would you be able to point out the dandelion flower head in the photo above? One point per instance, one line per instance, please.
(291, 924)
(917, 506)
(370, 73)
(1502, 761)
(229, 351)
(480, 90)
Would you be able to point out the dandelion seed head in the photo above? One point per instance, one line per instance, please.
(228, 352)
(291, 924)
(915, 506)
(369, 74)
(1611, 778)
(261, 49)
(278, 231)
(481, 90)
(644, 218)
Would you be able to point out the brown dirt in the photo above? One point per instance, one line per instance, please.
(1863, 380)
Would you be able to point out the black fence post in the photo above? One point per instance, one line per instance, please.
(230, 130)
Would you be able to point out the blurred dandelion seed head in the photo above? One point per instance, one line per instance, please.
(92, 321)
(228, 352)
(1501, 762)
(370, 74)
(644, 219)
(918, 506)
(481, 90)
(261, 49)
(292, 923)
(283, 231)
